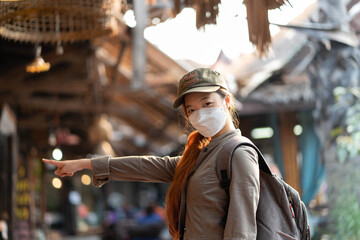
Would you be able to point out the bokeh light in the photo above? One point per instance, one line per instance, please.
(57, 154)
(57, 183)
(85, 179)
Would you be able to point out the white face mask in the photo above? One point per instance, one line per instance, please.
(208, 121)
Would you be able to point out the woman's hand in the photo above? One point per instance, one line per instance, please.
(69, 167)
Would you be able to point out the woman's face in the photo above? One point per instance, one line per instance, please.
(196, 100)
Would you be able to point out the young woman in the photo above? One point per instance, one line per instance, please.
(195, 202)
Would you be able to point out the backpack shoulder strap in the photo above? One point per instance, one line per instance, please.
(223, 165)
(224, 157)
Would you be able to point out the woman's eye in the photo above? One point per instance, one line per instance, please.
(207, 104)
(190, 111)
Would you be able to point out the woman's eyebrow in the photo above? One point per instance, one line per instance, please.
(204, 98)
(201, 99)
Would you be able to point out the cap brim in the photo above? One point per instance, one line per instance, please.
(180, 99)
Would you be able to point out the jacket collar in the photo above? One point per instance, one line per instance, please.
(223, 137)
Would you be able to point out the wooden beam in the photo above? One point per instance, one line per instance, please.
(253, 108)
(123, 34)
(156, 79)
(289, 149)
(165, 63)
(170, 73)
(132, 115)
(103, 55)
(43, 123)
(77, 105)
(75, 86)
(118, 61)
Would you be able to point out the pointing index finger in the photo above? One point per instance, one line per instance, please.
(53, 162)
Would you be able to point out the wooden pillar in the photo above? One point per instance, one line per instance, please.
(139, 45)
(289, 149)
(10, 151)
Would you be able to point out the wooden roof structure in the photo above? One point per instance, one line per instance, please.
(89, 79)
(95, 77)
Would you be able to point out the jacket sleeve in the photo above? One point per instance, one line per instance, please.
(133, 168)
(244, 195)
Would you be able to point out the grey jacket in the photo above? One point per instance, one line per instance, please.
(206, 200)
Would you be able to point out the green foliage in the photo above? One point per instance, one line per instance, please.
(347, 218)
(345, 204)
(344, 179)
(348, 135)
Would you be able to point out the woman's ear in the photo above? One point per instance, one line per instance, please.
(228, 101)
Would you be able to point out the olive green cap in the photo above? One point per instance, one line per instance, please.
(199, 80)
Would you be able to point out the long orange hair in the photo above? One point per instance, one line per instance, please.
(184, 167)
(196, 142)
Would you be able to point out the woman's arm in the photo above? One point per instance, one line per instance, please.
(244, 195)
(131, 168)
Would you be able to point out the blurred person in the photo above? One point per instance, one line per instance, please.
(149, 225)
(39, 232)
(160, 211)
(128, 211)
(109, 225)
(195, 203)
(4, 226)
(149, 215)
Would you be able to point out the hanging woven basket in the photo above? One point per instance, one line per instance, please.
(51, 21)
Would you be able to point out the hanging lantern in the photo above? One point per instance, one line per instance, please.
(38, 64)
(57, 21)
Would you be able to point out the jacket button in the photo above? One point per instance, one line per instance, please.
(205, 149)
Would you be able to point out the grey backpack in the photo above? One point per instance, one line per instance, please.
(280, 214)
